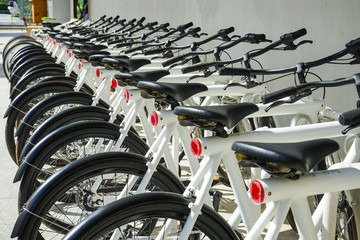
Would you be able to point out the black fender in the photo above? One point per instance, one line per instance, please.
(140, 200)
(66, 117)
(22, 56)
(20, 70)
(55, 100)
(53, 74)
(68, 130)
(70, 170)
(43, 65)
(22, 52)
(18, 102)
(21, 83)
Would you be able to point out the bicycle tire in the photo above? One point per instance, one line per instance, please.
(36, 115)
(29, 63)
(59, 190)
(139, 207)
(41, 155)
(22, 104)
(66, 117)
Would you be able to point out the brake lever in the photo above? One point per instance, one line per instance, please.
(275, 104)
(180, 63)
(292, 46)
(206, 74)
(350, 127)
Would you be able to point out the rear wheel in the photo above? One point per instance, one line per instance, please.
(69, 144)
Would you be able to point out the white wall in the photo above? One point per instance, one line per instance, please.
(330, 24)
(59, 10)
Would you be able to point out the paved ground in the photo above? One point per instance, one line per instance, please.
(8, 190)
(7, 20)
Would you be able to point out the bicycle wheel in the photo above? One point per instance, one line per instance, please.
(63, 118)
(345, 219)
(45, 109)
(65, 199)
(66, 145)
(23, 103)
(143, 215)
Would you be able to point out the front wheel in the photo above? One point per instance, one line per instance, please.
(142, 216)
(70, 195)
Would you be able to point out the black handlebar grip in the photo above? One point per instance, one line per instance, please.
(274, 96)
(151, 24)
(290, 37)
(194, 30)
(153, 51)
(353, 46)
(133, 49)
(141, 20)
(351, 117)
(103, 17)
(132, 21)
(193, 68)
(172, 60)
(235, 72)
(116, 18)
(185, 26)
(254, 38)
(164, 25)
(225, 31)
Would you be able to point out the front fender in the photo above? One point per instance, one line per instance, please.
(55, 100)
(92, 127)
(18, 102)
(54, 184)
(63, 118)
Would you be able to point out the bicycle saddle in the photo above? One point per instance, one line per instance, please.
(96, 60)
(88, 46)
(85, 54)
(287, 159)
(209, 116)
(177, 91)
(119, 64)
(132, 79)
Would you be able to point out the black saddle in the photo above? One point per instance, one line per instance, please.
(88, 46)
(178, 91)
(214, 117)
(85, 54)
(132, 79)
(96, 60)
(287, 159)
(128, 64)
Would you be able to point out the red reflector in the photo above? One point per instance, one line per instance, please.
(114, 84)
(67, 51)
(44, 37)
(126, 95)
(49, 38)
(59, 46)
(257, 191)
(81, 60)
(154, 118)
(97, 72)
(79, 65)
(54, 42)
(196, 147)
(69, 54)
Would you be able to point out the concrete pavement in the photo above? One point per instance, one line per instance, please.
(7, 21)
(8, 190)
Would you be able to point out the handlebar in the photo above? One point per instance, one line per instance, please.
(300, 89)
(290, 37)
